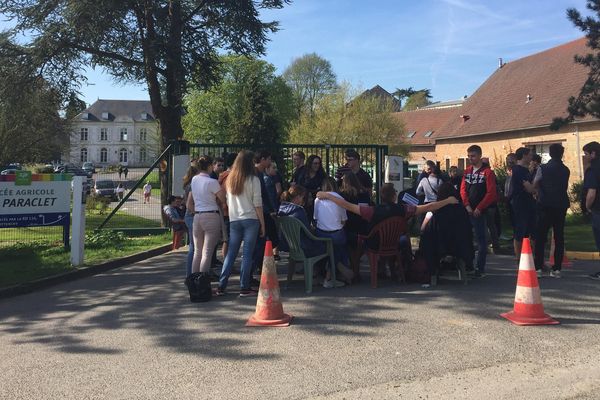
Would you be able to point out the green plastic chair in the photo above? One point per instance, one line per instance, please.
(292, 230)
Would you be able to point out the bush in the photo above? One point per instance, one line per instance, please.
(105, 238)
(576, 197)
(96, 203)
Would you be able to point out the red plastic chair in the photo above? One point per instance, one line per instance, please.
(388, 231)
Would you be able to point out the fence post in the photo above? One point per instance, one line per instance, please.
(327, 147)
(179, 164)
(78, 239)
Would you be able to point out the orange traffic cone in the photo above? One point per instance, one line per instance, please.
(565, 262)
(528, 309)
(269, 310)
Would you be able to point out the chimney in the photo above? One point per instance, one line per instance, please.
(500, 62)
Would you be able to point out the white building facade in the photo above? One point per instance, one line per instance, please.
(115, 132)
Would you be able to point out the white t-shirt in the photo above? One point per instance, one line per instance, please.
(329, 216)
(204, 189)
(147, 188)
(243, 205)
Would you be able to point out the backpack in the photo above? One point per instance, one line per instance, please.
(198, 285)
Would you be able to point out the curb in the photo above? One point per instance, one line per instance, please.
(53, 280)
(582, 255)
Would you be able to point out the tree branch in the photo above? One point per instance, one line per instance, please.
(193, 13)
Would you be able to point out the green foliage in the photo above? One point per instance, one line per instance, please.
(249, 105)
(587, 101)
(311, 78)
(97, 204)
(342, 118)
(576, 197)
(105, 238)
(418, 99)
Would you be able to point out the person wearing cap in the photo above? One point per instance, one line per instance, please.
(353, 165)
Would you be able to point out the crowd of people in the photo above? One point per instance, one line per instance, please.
(236, 201)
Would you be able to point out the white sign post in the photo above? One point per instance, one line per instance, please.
(394, 172)
(78, 230)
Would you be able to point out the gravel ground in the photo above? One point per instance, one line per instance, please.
(132, 334)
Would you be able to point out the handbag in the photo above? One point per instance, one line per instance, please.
(199, 287)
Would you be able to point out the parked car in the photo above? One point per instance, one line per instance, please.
(9, 171)
(106, 188)
(76, 171)
(89, 168)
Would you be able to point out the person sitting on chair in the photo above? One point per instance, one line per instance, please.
(447, 232)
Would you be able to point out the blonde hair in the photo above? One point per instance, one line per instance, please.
(242, 169)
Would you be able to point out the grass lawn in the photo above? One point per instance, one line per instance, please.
(26, 262)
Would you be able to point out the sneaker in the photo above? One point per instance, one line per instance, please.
(479, 274)
(220, 292)
(328, 284)
(540, 273)
(555, 274)
(595, 276)
(248, 292)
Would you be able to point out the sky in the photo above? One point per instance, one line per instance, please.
(448, 46)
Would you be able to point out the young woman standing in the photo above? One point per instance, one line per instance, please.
(244, 202)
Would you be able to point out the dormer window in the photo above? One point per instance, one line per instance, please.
(105, 115)
(144, 116)
(428, 134)
(85, 115)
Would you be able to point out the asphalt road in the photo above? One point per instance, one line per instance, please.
(132, 334)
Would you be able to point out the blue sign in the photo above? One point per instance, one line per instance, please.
(28, 220)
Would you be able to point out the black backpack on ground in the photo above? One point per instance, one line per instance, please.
(198, 285)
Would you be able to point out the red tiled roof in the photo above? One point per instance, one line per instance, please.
(424, 120)
(500, 104)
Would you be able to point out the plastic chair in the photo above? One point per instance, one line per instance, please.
(292, 230)
(388, 232)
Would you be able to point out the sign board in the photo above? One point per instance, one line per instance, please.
(394, 171)
(35, 200)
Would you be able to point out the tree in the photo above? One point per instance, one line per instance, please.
(419, 98)
(402, 94)
(248, 93)
(162, 43)
(31, 129)
(343, 118)
(74, 106)
(587, 101)
(311, 78)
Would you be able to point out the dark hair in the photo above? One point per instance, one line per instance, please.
(310, 160)
(260, 154)
(522, 152)
(453, 168)
(352, 153)
(556, 150)
(474, 149)
(204, 162)
(387, 193)
(537, 158)
(218, 160)
(300, 154)
(172, 199)
(351, 186)
(230, 159)
(435, 169)
(592, 147)
(446, 190)
(329, 185)
(293, 192)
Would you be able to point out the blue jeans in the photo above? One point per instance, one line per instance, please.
(189, 222)
(480, 229)
(340, 251)
(245, 230)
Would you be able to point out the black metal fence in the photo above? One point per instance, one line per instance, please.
(333, 156)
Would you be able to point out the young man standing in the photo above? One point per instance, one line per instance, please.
(551, 182)
(478, 192)
(218, 167)
(591, 187)
(262, 161)
(353, 165)
(298, 159)
(522, 201)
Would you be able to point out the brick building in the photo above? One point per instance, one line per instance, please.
(514, 107)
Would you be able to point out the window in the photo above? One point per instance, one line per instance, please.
(123, 155)
(411, 134)
(428, 134)
(143, 134)
(103, 155)
(103, 134)
(84, 134)
(83, 156)
(123, 134)
(447, 164)
(461, 164)
(142, 155)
